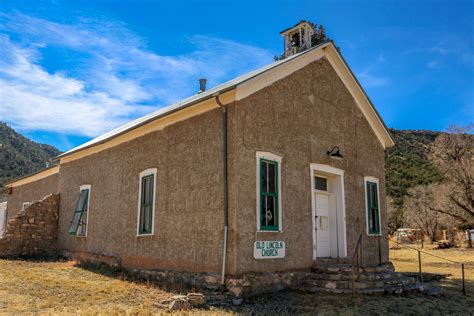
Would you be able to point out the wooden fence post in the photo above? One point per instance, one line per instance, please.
(419, 266)
(462, 275)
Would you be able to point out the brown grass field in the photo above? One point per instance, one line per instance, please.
(47, 288)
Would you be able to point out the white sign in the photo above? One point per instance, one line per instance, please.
(269, 249)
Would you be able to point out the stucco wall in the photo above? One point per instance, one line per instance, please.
(29, 192)
(300, 118)
(188, 210)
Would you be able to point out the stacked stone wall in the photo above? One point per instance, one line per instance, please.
(33, 230)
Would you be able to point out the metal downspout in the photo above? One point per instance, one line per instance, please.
(226, 193)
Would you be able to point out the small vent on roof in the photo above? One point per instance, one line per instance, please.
(202, 85)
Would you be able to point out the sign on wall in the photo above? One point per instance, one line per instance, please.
(269, 249)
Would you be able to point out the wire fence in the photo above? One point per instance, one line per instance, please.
(420, 274)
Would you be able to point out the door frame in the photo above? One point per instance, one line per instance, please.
(338, 192)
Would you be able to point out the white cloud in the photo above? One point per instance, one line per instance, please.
(368, 76)
(112, 79)
(370, 80)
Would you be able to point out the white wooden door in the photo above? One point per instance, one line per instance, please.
(323, 248)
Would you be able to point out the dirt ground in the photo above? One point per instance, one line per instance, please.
(29, 287)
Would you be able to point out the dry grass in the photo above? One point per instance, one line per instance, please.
(62, 288)
(406, 260)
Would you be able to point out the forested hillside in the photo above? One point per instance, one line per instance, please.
(407, 164)
(20, 156)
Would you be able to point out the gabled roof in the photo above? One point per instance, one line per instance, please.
(291, 64)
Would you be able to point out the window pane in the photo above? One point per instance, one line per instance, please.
(81, 207)
(82, 225)
(264, 176)
(373, 209)
(81, 204)
(270, 212)
(271, 177)
(150, 190)
(146, 219)
(321, 183)
(146, 216)
(263, 208)
(75, 222)
(374, 195)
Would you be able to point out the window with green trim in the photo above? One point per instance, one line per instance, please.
(79, 219)
(373, 209)
(269, 199)
(146, 207)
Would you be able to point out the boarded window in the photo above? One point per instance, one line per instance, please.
(269, 208)
(145, 221)
(373, 211)
(79, 219)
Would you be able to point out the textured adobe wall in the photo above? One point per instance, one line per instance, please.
(30, 192)
(33, 230)
(307, 113)
(188, 209)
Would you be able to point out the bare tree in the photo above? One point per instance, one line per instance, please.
(453, 154)
(418, 210)
(395, 215)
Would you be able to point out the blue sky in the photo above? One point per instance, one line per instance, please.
(72, 70)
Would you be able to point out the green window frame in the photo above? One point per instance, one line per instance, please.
(269, 195)
(147, 200)
(373, 208)
(79, 219)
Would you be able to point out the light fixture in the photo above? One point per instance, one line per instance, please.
(334, 153)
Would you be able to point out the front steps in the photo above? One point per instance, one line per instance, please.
(337, 278)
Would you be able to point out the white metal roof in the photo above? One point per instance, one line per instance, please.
(219, 89)
(226, 86)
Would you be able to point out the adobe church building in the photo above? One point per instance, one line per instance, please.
(279, 170)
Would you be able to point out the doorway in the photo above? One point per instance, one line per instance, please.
(328, 211)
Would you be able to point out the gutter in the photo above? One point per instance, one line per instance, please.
(226, 191)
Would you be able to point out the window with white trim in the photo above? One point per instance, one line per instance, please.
(372, 204)
(146, 202)
(79, 219)
(269, 213)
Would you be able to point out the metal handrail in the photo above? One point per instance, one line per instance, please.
(356, 262)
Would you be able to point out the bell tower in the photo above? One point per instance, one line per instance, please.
(297, 38)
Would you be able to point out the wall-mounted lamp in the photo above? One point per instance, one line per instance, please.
(334, 153)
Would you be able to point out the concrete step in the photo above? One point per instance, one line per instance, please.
(332, 284)
(378, 290)
(364, 276)
(347, 268)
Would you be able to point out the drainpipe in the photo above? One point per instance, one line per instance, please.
(226, 193)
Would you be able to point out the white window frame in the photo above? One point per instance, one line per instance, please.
(85, 187)
(272, 157)
(147, 172)
(376, 181)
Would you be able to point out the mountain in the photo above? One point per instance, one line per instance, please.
(407, 164)
(20, 156)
